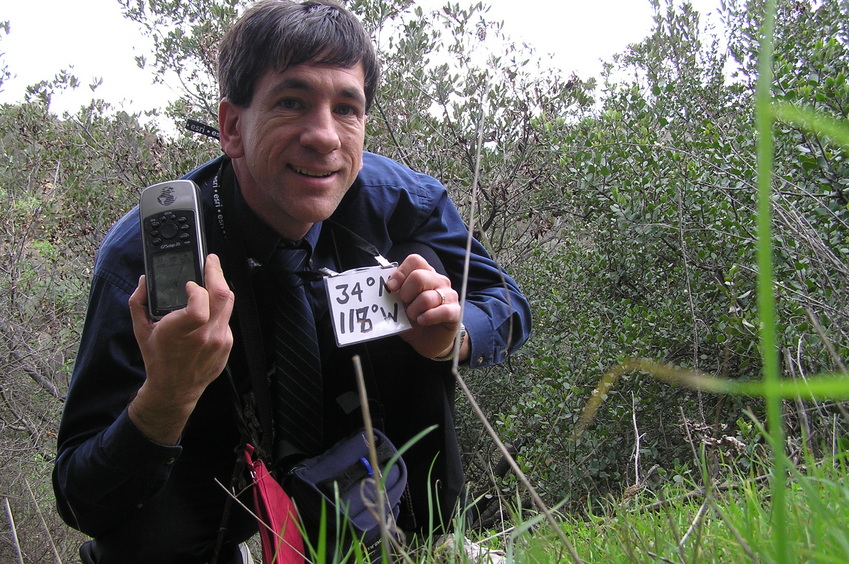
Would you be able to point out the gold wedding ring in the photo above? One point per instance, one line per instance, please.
(441, 295)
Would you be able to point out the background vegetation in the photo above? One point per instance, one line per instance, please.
(626, 208)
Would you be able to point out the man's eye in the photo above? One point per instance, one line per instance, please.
(346, 110)
(289, 103)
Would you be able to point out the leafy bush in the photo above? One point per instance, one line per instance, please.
(657, 256)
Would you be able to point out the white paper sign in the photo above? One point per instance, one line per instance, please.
(362, 308)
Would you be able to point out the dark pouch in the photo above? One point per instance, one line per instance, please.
(346, 468)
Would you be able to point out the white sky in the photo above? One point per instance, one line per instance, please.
(91, 38)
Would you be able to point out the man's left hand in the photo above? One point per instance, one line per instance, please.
(432, 307)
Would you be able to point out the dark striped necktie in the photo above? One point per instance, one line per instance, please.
(296, 382)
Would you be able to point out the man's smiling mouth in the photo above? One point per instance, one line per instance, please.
(306, 172)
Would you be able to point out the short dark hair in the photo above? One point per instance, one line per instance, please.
(279, 34)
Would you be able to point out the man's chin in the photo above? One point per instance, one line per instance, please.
(319, 208)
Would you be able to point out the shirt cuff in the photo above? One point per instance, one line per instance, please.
(483, 350)
(127, 447)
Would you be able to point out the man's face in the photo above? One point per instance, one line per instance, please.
(299, 145)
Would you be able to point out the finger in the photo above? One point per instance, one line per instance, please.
(411, 264)
(197, 310)
(448, 315)
(437, 303)
(421, 285)
(138, 299)
(436, 297)
(221, 298)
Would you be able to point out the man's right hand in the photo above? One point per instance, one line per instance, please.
(183, 353)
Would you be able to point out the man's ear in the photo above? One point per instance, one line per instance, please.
(230, 129)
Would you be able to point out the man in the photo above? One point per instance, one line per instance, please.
(148, 437)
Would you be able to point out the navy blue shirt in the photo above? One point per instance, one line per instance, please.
(107, 471)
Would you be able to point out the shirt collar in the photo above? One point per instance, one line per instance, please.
(260, 239)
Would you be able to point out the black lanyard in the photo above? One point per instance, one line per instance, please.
(238, 270)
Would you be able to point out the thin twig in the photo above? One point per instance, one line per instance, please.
(689, 435)
(637, 435)
(12, 531)
(815, 321)
(683, 242)
(384, 519)
(673, 528)
(462, 384)
(743, 544)
(260, 520)
(515, 467)
(699, 514)
(56, 556)
(698, 492)
(661, 558)
(398, 148)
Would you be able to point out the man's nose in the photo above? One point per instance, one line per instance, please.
(320, 131)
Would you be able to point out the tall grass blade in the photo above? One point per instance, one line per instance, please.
(766, 299)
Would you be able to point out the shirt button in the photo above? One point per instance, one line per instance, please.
(480, 360)
(170, 461)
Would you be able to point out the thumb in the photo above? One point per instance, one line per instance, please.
(142, 324)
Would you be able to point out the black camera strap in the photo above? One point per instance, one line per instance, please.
(245, 308)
